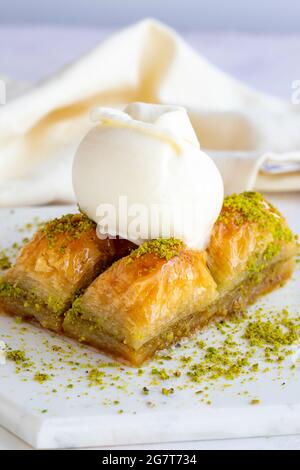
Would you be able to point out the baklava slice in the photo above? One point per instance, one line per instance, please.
(251, 252)
(164, 291)
(144, 301)
(62, 259)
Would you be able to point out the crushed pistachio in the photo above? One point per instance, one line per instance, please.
(273, 337)
(251, 207)
(95, 377)
(57, 305)
(75, 310)
(186, 359)
(167, 391)
(16, 355)
(4, 261)
(10, 290)
(30, 299)
(165, 248)
(222, 362)
(261, 333)
(162, 373)
(72, 225)
(40, 377)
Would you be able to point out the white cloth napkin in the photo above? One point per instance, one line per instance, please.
(40, 130)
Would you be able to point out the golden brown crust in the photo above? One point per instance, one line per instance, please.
(49, 273)
(140, 302)
(234, 302)
(244, 244)
(136, 298)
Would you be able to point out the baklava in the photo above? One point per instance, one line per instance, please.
(251, 251)
(163, 291)
(160, 292)
(61, 260)
(144, 302)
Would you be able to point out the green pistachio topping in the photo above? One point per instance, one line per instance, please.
(95, 377)
(29, 298)
(161, 373)
(165, 248)
(261, 333)
(10, 290)
(252, 207)
(41, 377)
(4, 261)
(73, 225)
(56, 305)
(16, 355)
(255, 401)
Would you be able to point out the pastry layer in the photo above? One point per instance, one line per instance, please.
(62, 259)
(145, 301)
(249, 235)
(233, 302)
(138, 297)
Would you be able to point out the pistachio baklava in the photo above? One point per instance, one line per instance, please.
(61, 260)
(132, 304)
(163, 291)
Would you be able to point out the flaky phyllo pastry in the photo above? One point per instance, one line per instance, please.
(130, 302)
(62, 259)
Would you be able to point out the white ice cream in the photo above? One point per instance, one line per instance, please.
(140, 174)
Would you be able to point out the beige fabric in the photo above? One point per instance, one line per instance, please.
(40, 130)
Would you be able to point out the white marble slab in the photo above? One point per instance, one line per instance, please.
(85, 416)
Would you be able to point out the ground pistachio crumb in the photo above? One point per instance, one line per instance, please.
(165, 248)
(5, 262)
(95, 377)
(162, 373)
(261, 332)
(72, 225)
(40, 377)
(16, 355)
(251, 207)
(255, 401)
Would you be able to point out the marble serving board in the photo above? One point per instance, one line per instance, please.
(69, 409)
